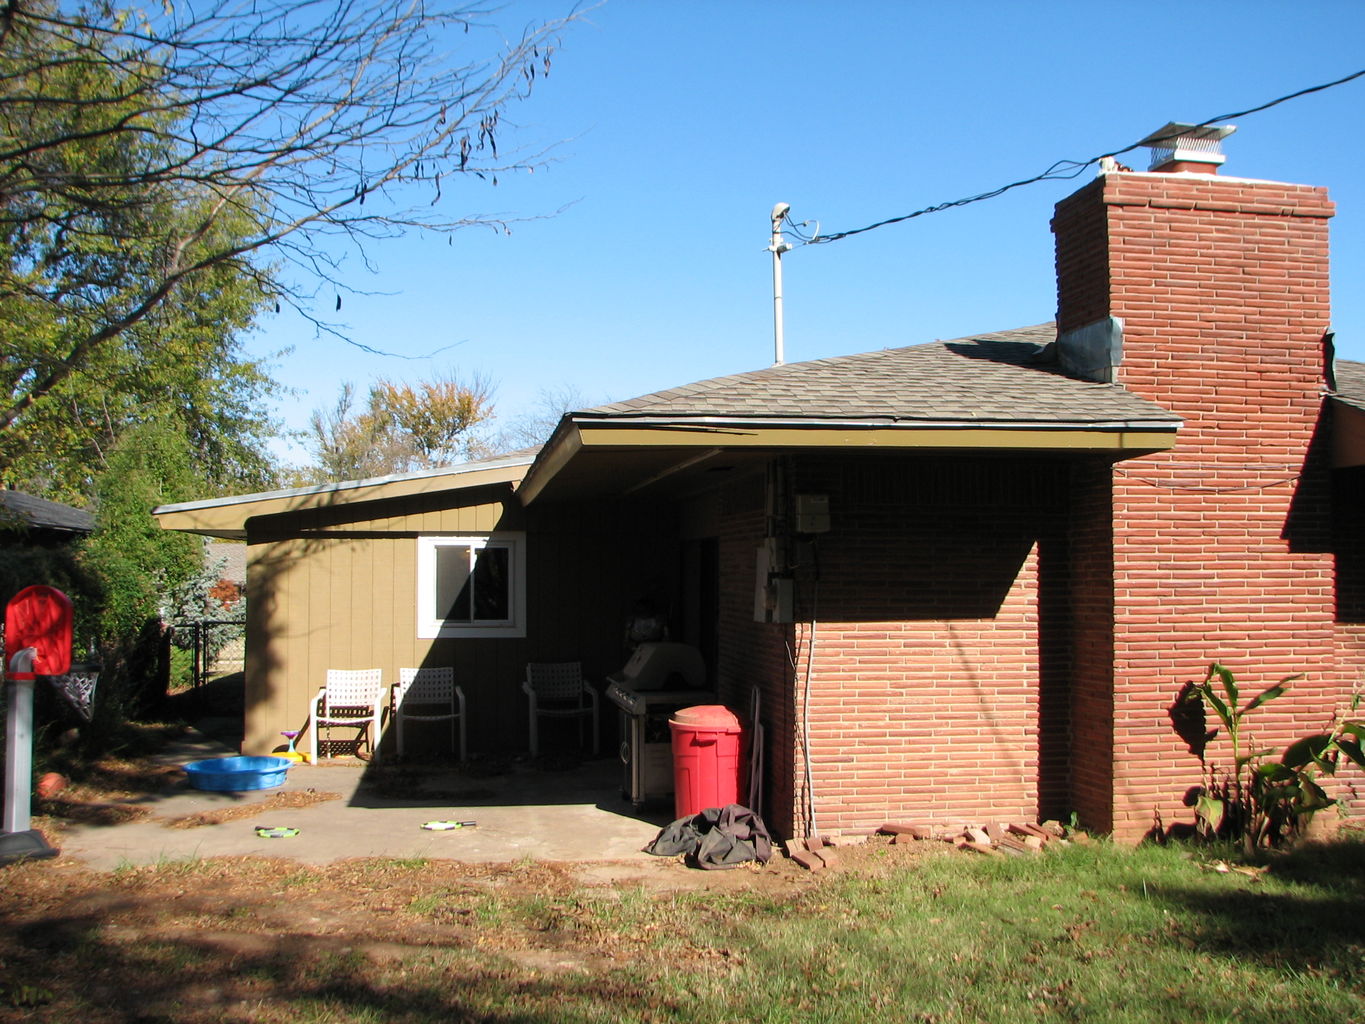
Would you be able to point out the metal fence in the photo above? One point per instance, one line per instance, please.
(218, 645)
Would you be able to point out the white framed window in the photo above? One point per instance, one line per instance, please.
(471, 586)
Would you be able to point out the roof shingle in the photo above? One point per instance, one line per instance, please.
(1351, 383)
(39, 513)
(1003, 377)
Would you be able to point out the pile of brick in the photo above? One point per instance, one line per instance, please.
(812, 853)
(992, 839)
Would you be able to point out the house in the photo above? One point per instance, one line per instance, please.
(229, 560)
(967, 578)
(39, 521)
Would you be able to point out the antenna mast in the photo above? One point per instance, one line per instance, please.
(777, 246)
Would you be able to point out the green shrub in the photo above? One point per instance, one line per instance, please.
(1257, 802)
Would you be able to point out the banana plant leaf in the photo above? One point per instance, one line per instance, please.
(1351, 748)
(1256, 755)
(1221, 707)
(1264, 697)
(1211, 810)
(1189, 718)
(1309, 749)
(1272, 772)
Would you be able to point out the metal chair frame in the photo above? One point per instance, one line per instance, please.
(352, 698)
(429, 688)
(560, 682)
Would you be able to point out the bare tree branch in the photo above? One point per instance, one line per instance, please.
(139, 151)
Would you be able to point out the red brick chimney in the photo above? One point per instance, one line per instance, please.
(1209, 295)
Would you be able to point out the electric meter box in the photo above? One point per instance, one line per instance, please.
(812, 513)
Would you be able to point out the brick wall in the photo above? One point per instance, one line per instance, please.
(1056, 669)
(1349, 545)
(920, 611)
(1090, 691)
(1222, 285)
(1348, 529)
(754, 653)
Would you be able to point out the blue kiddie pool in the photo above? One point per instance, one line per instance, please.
(237, 774)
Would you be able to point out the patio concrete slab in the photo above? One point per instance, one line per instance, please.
(574, 814)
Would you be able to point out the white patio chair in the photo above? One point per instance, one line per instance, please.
(557, 690)
(352, 698)
(428, 695)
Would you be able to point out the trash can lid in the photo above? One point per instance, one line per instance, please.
(707, 716)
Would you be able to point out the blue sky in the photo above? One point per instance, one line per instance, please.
(677, 126)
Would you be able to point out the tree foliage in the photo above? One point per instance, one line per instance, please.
(402, 427)
(141, 565)
(82, 234)
(158, 166)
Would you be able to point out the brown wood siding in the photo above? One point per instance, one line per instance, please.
(337, 588)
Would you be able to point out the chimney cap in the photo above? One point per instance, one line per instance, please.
(1178, 142)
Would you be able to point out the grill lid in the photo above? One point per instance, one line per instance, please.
(661, 665)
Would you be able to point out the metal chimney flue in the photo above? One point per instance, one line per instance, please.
(1188, 148)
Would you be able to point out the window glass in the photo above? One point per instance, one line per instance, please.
(492, 585)
(452, 582)
(471, 586)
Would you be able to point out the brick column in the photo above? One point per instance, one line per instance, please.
(1222, 287)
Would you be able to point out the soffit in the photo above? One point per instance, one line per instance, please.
(1348, 423)
(226, 518)
(1350, 380)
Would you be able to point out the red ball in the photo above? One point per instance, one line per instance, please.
(50, 785)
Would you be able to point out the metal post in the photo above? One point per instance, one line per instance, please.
(18, 754)
(777, 246)
(17, 838)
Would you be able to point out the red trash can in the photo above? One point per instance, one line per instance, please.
(706, 758)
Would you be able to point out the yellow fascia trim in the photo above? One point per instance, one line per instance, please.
(566, 443)
(930, 437)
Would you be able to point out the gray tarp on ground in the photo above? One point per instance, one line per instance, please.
(718, 837)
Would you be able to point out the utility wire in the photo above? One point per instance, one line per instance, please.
(1071, 168)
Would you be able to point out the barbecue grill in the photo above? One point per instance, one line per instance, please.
(659, 679)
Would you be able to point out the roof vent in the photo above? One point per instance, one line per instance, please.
(1188, 147)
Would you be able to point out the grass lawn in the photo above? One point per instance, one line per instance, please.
(904, 933)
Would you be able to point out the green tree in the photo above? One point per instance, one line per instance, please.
(80, 358)
(142, 570)
(403, 427)
(158, 166)
(141, 565)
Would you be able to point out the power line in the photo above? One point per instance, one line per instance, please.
(1064, 169)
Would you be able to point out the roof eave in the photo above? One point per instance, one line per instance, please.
(575, 434)
(707, 422)
(226, 518)
(1348, 434)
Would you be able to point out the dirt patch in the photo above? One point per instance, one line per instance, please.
(262, 939)
(105, 792)
(270, 940)
(212, 940)
(52, 816)
(276, 802)
(113, 778)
